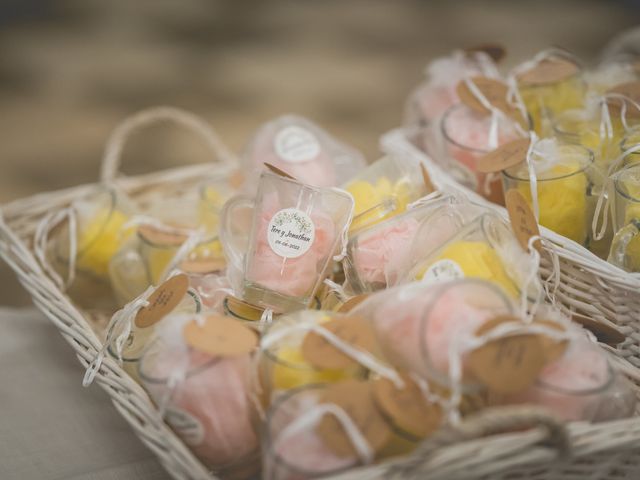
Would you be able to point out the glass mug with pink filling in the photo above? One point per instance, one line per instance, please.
(282, 250)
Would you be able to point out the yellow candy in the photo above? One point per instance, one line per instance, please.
(292, 370)
(477, 260)
(99, 239)
(370, 200)
(209, 208)
(562, 201)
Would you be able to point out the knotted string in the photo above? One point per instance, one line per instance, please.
(122, 319)
(41, 239)
(266, 318)
(337, 289)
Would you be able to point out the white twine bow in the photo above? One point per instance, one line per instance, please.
(361, 356)
(623, 110)
(533, 179)
(267, 317)
(338, 289)
(426, 200)
(603, 198)
(119, 326)
(41, 239)
(311, 417)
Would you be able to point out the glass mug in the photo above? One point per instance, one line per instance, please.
(281, 363)
(465, 139)
(631, 138)
(565, 187)
(383, 189)
(295, 231)
(625, 248)
(484, 248)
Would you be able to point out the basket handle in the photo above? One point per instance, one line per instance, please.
(492, 421)
(150, 116)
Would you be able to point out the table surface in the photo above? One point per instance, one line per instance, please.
(51, 428)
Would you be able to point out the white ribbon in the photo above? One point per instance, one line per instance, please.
(426, 200)
(533, 179)
(337, 289)
(345, 229)
(123, 318)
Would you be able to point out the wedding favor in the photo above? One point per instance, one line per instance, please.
(198, 372)
(302, 149)
(625, 248)
(296, 230)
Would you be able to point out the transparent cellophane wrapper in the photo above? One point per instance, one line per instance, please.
(281, 365)
(383, 189)
(463, 137)
(127, 340)
(301, 148)
(265, 278)
(609, 73)
(567, 189)
(206, 399)
(147, 258)
(378, 256)
(625, 190)
(86, 243)
(437, 93)
(465, 240)
(438, 324)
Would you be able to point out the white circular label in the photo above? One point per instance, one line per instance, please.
(290, 233)
(296, 144)
(443, 271)
(188, 427)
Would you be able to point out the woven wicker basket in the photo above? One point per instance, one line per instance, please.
(541, 448)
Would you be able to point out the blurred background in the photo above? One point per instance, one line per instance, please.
(71, 70)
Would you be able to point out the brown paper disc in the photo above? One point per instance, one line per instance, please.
(553, 348)
(352, 303)
(509, 364)
(279, 171)
(162, 301)
(406, 407)
(508, 155)
(549, 70)
(494, 91)
(352, 330)
(495, 51)
(220, 336)
(604, 332)
(156, 236)
(203, 265)
(356, 399)
(523, 222)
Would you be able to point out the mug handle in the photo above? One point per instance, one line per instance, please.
(621, 242)
(233, 245)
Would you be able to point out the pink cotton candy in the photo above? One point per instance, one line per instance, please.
(290, 276)
(301, 454)
(215, 397)
(379, 256)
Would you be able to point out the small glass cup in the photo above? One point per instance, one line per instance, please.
(484, 248)
(296, 229)
(631, 138)
(210, 408)
(418, 337)
(139, 337)
(544, 100)
(625, 248)
(384, 189)
(282, 365)
(580, 386)
(466, 140)
(565, 188)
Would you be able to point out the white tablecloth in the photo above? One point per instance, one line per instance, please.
(51, 428)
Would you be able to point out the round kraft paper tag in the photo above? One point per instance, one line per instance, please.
(296, 144)
(188, 427)
(291, 233)
(443, 271)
